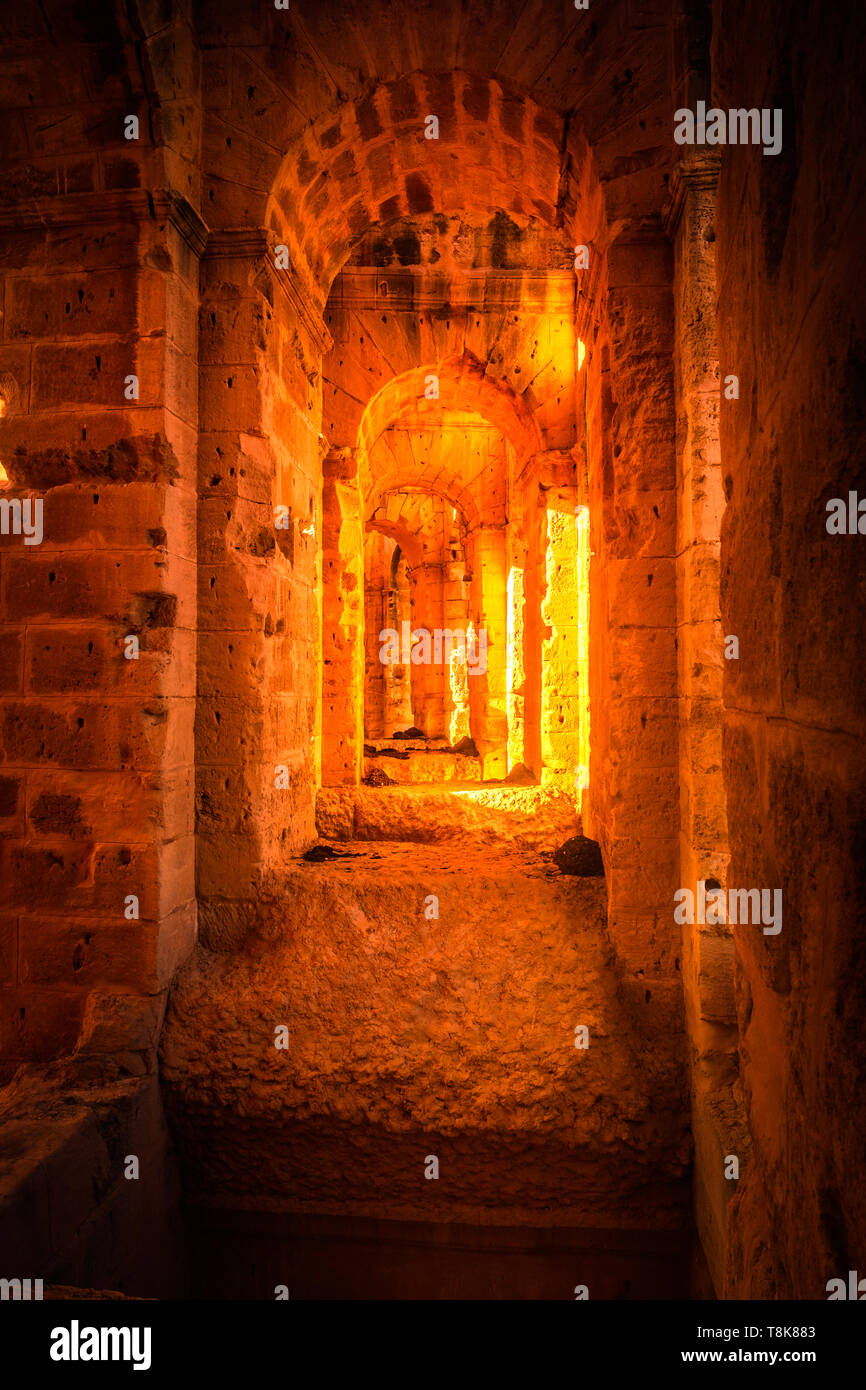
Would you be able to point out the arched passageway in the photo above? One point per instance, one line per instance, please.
(453, 339)
(462, 421)
(425, 594)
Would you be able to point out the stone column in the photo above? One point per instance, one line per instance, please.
(708, 952)
(703, 820)
(560, 648)
(342, 621)
(98, 362)
(552, 650)
(488, 689)
(398, 706)
(455, 607)
(630, 417)
(376, 676)
(259, 693)
(632, 806)
(428, 677)
(515, 667)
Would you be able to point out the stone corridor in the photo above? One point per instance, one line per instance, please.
(414, 574)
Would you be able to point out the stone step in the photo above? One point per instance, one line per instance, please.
(431, 996)
(532, 818)
(243, 1253)
(424, 765)
(417, 745)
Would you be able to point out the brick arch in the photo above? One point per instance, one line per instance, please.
(369, 161)
(467, 510)
(407, 527)
(464, 387)
(402, 537)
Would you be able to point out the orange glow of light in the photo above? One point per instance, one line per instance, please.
(515, 674)
(4, 476)
(581, 353)
(583, 558)
(565, 649)
(459, 682)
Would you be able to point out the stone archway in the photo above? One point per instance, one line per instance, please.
(278, 263)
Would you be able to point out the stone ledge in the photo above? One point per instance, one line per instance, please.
(67, 1213)
(531, 818)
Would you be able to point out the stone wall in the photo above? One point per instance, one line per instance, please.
(215, 323)
(791, 327)
(632, 808)
(99, 248)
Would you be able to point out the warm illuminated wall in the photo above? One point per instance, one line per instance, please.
(387, 605)
(437, 591)
(516, 667)
(284, 421)
(270, 423)
(187, 777)
(560, 651)
(99, 284)
(443, 309)
(632, 803)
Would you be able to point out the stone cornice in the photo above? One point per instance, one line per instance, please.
(338, 461)
(238, 243)
(550, 468)
(259, 244)
(587, 306)
(185, 219)
(307, 312)
(547, 291)
(140, 205)
(94, 209)
(697, 171)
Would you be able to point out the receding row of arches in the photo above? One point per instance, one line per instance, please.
(380, 331)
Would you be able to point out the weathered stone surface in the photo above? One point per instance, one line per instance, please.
(408, 768)
(526, 817)
(462, 423)
(67, 1207)
(372, 1082)
(791, 326)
